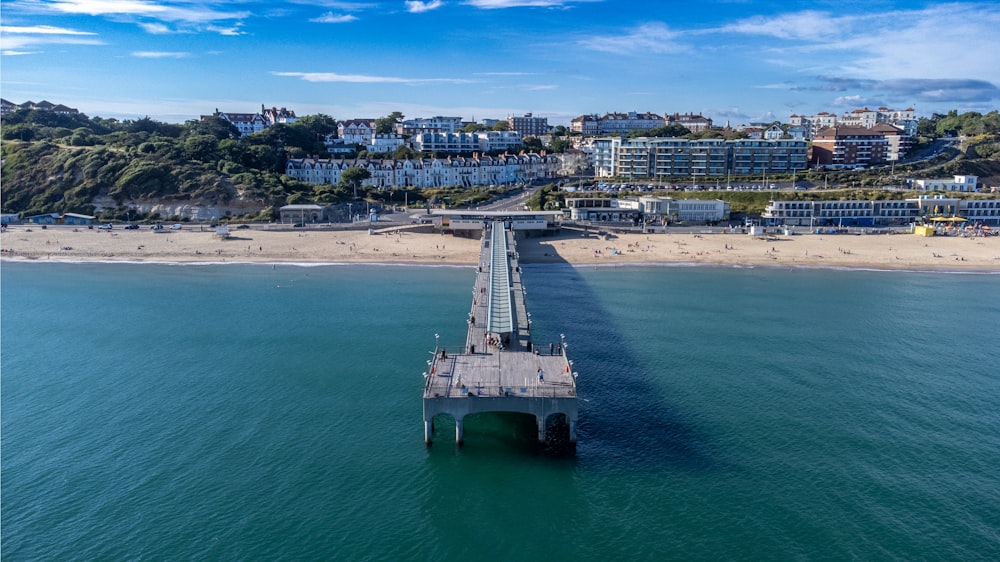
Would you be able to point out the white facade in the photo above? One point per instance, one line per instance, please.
(385, 143)
(249, 123)
(881, 212)
(646, 209)
(605, 151)
(437, 124)
(958, 183)
(485, 141)
(616, 123)
(429, 172)
(661, 158)
(865, 118)
(356, 131)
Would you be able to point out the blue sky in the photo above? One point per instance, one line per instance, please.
(731, 60)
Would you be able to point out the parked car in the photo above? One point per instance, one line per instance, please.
(131, 227)
(105, 227)
(176, 227)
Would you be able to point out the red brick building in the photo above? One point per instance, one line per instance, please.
(849, 147)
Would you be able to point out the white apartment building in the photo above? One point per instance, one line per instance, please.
(958, 183)
(662, 158)
(812, 124)
(865, 118)
(429, 172)
(485, 141)
(616, 123)
(436, 124)
(356, 131)
(385, 143)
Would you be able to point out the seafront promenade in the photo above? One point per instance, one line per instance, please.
(501, 369)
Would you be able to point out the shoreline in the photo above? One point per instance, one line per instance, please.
(876, 252)
(618, 265)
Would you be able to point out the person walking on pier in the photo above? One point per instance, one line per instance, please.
(541, 375)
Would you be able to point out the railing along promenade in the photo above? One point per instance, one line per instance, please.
(500, 369)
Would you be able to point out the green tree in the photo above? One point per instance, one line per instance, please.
(560, 145)
(501, 126)
(533, 144)
(387, 125)
(353, 177)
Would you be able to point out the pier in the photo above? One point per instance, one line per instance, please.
(500, 368)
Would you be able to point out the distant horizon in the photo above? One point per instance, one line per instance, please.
(298, 114)
(730, 60)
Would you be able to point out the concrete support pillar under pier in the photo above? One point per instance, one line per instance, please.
(458, 430)
(428, 431)
(541, 428)
(572, 430)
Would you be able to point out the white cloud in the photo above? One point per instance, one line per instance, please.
(365, 79)
(160, 55)
(14, 39)
(196, 15)
(541, 87)
(417, 7)
(650, 38)
(944, 41)
(806, 26)
(501, 4)
(337, 5)
(42, 30)
(155, 28)
(330, 17)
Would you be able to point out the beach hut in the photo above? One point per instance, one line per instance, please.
(44, 219)
(76, 218)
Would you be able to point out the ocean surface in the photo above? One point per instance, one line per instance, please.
(244, 412)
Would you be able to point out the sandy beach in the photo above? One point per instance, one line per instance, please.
(418, 246)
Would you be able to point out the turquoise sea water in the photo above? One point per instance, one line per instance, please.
(235, 412)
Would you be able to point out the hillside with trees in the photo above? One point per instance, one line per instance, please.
(60, 163)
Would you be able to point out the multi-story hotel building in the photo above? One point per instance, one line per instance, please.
(879, 213)
(430, 125)
(849, 147)
(662, 158)
(616, 123)
(528, 125)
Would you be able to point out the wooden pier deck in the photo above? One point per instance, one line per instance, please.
(501, 369)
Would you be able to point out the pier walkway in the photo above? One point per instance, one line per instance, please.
(500, 369)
